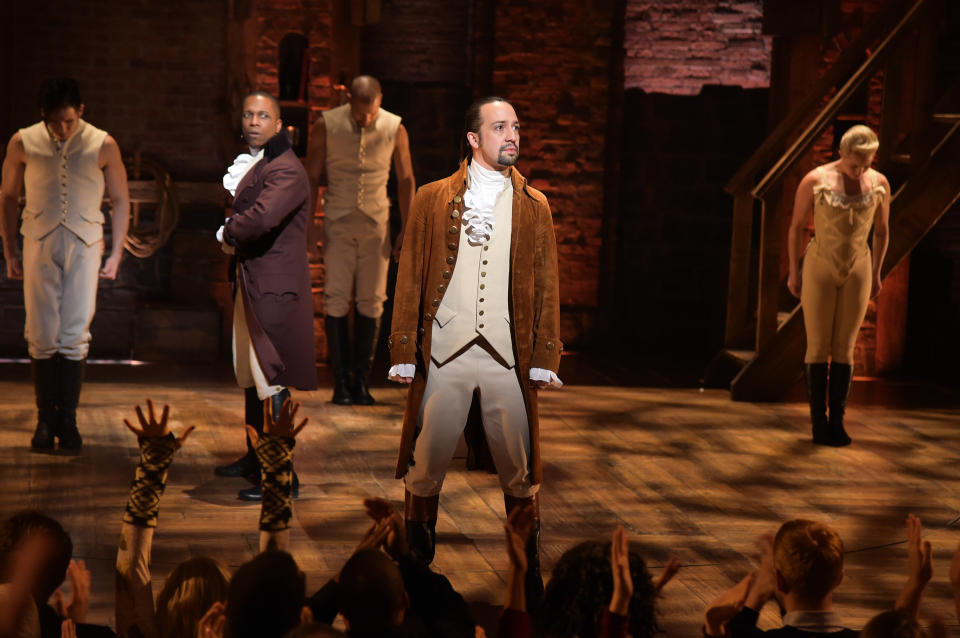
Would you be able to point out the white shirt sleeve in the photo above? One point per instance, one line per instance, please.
(402, 371)
(539, 374)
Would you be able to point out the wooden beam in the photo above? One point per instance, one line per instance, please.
(738, 287)
(768, 287)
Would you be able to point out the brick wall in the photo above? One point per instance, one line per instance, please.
(150, 73)
(677, 46)
(552, 63)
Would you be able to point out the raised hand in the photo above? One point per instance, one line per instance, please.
(669, 571)
(919, 553)
(151, 428)
(727, 605)
(380, 510)
(68, 629)
(620, 566)
(76, 608)
(284, 423)
(213, 622)
(765, 585)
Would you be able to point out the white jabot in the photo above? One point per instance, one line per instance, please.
(479, 200)
(407, 370)
(239, 168)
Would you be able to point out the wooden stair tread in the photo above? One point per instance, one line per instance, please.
(946, 118)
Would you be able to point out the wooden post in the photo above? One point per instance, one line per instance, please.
(738, 287)
(768, 287)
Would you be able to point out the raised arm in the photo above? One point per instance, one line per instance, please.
(881, 234)
(275, 452)
(135, 615)
(802, 208)
(919, 569)
(115, 176)
(316, 166)
(11, 186)
(406, 183)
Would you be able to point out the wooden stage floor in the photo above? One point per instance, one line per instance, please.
(685, 471)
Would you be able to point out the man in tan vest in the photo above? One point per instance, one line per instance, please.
(476, 309)
(63, 162)
(354, 145)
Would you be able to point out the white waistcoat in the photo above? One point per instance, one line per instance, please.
(63, 182)
(477, 299)
(358, 163)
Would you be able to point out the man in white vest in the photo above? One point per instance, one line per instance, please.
(476, 309)
(63, 164)
(354, 145)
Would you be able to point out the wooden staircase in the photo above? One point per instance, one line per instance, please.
(919, 150)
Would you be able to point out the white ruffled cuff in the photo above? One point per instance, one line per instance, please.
(402, 371)
(539, 374)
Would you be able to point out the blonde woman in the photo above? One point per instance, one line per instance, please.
(840, 273)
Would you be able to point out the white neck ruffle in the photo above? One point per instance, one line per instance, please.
(478, 202)
(239, 168)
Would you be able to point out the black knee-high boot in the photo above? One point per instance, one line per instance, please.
(246, 465)
(338, 354)
(255, 493)
(45, 388)
(841, 378)
(816, 374)
(68, 397)
(365, 334)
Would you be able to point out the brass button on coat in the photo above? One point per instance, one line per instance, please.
(452, 246)
(480, 326)
(455, 214)
(435, 303)
(549, 345)
(457, 199)
(404, 339)
(441, 288)
(453, 230)
(450, 260)
(446, 274)
(427, 317)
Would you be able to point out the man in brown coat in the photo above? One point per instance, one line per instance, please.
(476, 308)
(273, 345)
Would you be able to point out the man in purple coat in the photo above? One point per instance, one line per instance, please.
(273, 346)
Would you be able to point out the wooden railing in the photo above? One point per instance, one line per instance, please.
(755, 181)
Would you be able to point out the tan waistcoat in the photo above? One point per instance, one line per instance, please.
(63, 182)
(476, 303)
(358, 163)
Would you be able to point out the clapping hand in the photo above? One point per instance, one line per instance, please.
(152, 429)
(728, 605)
(76, 608)
(213, 622)
(395, 542)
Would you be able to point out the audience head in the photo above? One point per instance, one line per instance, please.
(371, 596)
(580, 590)
(892, 624)
(265, 598)
(55, 549)
(189, 591)
(808, 557)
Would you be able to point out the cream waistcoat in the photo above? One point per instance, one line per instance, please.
(63, 182)
(358, 163)
(477, 300)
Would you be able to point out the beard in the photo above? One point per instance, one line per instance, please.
(503, 159)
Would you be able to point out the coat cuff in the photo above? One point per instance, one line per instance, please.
(403, 347)
(546, 353)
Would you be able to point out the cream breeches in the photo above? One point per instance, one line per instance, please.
(356, 254)
(443, 415)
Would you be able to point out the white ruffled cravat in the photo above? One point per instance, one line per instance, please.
(478, 202)
(239, 168)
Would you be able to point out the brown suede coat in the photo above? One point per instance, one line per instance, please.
(430, 244)
(268, 228)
